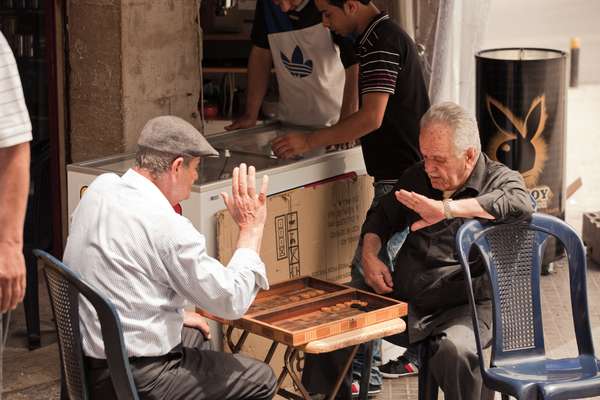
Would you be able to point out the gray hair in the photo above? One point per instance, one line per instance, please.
(460, 121)
(157, 162)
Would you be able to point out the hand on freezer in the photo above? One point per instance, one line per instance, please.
(290, 145)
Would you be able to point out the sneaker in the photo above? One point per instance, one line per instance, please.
(398, 368)
(373, 389)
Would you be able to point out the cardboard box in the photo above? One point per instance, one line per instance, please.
(311, 230)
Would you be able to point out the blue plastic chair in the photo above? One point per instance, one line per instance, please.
(512, 255)
(64, 288)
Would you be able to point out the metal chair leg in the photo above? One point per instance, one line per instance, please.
(428, 387)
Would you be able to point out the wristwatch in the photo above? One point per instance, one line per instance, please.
(447, 210)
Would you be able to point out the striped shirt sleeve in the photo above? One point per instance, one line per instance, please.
(379, 70)
(15, 125)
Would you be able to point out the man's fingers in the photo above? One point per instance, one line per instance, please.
(403, 197)
(6, 295)
(281, 145)
(225, 198)
(235, 181)
(419, 224)
(20, 294)
(380, 286)
(251, 182)
(263, 189)
(379, 282)
(387, 278)
(243, 190)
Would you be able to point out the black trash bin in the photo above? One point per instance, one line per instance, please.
(521, 115)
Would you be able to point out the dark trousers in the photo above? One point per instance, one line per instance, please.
(192, 371)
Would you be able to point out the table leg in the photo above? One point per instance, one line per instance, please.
(235, 347)
(291, 362)
(271, 352)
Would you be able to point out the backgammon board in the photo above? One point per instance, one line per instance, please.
(302, 310)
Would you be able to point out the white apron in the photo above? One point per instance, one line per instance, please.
(310, 75)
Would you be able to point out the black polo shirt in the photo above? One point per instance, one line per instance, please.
(268, 19)
(389, 64)
(427, 272)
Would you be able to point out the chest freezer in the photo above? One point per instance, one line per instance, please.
(250, 146)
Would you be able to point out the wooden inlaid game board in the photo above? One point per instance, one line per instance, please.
(306, 309)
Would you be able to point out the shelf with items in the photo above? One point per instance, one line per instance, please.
(225, 70)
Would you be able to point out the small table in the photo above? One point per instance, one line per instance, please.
(352, 338)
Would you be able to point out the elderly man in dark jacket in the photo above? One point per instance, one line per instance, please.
(455, 181)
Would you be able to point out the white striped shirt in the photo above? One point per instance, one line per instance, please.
(128, 243)
(15, 126)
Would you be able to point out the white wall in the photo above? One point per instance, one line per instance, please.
(548, 23)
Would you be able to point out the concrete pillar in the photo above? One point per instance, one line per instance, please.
(130, 60)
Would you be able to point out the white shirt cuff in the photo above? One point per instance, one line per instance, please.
(250, 259)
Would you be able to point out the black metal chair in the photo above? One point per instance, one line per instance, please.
(512, 255)
(64, 288)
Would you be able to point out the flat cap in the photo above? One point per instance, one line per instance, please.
(174, 135)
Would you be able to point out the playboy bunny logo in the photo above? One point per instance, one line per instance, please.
(297, 67)
(519, 143)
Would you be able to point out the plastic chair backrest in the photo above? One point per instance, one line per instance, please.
(512, 254)
(64, 288)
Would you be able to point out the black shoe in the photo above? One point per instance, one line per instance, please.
(398, 368)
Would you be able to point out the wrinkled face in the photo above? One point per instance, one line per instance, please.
(287, 5)
(446, 170)
(185, 178)
(335, 18)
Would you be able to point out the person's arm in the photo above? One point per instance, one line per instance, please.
(367, 119)
(350, 62)
(381, 222)
(509, 201)
(350, 99)
(225, 292)
(432, 211)
(14, 188)
(259, 72)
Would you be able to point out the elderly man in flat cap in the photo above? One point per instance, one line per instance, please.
(128, 243)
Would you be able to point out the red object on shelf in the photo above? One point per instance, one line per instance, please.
(211, 111)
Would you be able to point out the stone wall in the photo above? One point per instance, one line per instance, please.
(130, 60)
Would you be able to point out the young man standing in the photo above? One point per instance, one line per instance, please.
(393, 99)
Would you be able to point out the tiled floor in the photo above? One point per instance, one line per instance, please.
(34, 375)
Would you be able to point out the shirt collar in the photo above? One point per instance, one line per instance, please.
(477, 178)
(147, 187)
(374, 22)
(301, 5)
